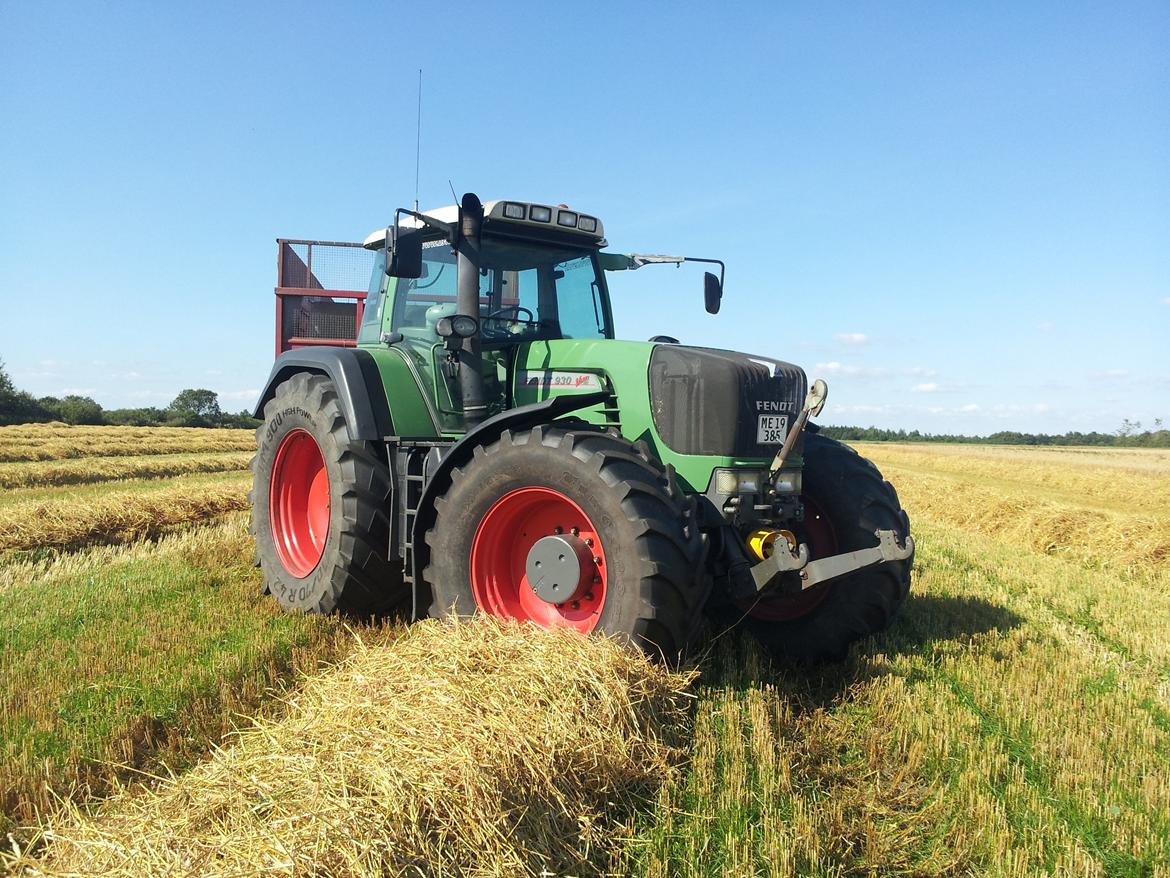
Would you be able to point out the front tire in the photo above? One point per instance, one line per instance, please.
(321, 506)
(846, 501)
(629, 551)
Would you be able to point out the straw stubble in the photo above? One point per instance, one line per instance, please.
(474, 748)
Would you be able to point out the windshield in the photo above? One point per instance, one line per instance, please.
(527, 291)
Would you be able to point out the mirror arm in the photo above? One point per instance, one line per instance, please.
(718, 262)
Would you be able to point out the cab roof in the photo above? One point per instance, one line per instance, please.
(520, 213)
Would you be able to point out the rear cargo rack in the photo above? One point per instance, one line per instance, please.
(320, 292)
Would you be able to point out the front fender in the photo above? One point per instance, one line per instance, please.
(521, 418)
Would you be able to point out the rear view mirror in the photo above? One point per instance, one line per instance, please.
(405, 253)
(712, 292)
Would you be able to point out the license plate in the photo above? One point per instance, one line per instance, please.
(772, 429)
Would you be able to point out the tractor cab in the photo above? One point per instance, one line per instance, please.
(540, 278)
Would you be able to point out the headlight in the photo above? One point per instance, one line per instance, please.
(738, 481)
(540, 214)
(567, 218)
(514, 211)
(457, 325)
(787, 481)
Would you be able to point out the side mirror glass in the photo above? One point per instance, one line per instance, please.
(405, 254)
(712, 292)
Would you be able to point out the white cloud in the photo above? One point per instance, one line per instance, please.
(969, 407)
(78, 391)
(862, 409)
(150, 394)
(927, 387)
(241, 394)
(1112, 373)
(1046, 326)
(1166, 301)
(854, 338)
(919, 372)
(833, 367)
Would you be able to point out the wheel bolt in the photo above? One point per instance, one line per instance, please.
(558, 529)
(596, 559)
(588, 595)
(589, 542)
(576, 605)
(574, 531)
(596, 579)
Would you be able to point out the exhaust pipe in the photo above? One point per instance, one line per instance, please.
(467, 302)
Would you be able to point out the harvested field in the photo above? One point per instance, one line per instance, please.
(1014, 722)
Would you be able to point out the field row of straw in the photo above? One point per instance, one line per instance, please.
(32, 474)
(44, 443)
(116, 512)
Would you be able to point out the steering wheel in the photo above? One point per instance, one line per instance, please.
(499, 313)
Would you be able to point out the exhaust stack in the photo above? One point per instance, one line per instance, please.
(467, 302)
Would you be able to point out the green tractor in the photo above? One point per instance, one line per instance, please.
(489, 446)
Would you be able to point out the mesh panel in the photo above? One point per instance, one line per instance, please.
(333, 266)
(321, 318)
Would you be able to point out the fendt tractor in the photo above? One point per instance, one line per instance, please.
(468, 436)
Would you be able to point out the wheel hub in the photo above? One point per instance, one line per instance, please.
(538, 524)
(560, 568)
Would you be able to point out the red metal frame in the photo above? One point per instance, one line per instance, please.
(314, 289)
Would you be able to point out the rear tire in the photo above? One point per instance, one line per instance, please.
(851, 494)
(647, 587)
(321, 506)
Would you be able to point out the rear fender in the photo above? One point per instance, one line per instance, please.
(355, 375)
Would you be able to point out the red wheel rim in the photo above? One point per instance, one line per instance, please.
(500, 550)
(817, 531)
(298, 503)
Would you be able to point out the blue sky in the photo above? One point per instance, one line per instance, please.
(957, 214)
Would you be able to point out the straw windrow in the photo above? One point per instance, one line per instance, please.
(460, 749)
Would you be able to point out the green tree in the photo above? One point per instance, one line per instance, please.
(17, 406)
(194, 408)
(74, 409)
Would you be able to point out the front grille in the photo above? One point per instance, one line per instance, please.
(707, 401)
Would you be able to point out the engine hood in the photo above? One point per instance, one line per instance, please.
(709, 401)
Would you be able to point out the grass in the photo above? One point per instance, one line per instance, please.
(1014, 722)
(136, 658)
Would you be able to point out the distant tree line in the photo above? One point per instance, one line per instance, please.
(191, 408)
(1130, 434)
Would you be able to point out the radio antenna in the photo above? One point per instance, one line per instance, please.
(417, 140)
